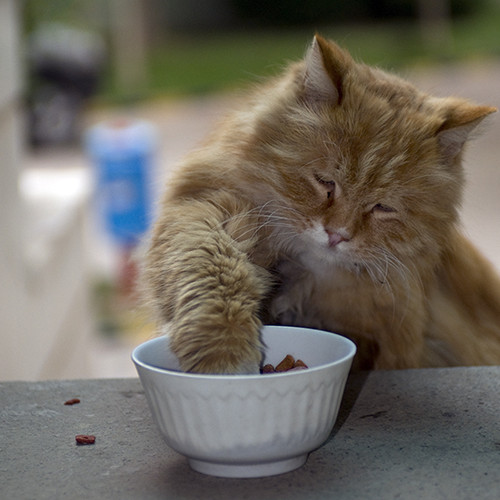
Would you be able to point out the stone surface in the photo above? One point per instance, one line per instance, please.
(431, 433)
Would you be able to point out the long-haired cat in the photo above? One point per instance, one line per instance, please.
(329, 200)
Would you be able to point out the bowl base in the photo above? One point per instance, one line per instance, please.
(248, 470)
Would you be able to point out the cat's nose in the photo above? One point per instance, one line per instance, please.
(334, 238)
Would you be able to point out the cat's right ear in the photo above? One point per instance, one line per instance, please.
(461, 120)
(326, 65)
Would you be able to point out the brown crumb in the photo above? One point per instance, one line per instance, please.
(82, 439)
(71, 402)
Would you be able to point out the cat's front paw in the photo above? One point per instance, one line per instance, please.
(248, 369)
(224, 355)
(220, 366)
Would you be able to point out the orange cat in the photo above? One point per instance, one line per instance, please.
(328, 200)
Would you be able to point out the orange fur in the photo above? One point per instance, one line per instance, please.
(328, 200)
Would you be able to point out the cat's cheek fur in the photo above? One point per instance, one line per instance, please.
(317, 235)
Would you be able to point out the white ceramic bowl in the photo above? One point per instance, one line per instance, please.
(249, 425)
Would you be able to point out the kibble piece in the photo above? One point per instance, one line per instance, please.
(71, 402)
(82, 439)
(286, 364)
(300, 363)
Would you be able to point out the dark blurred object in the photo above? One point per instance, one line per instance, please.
(298, 12)
(64, 68)
(192, 15)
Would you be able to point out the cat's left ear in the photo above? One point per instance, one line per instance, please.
(326, 65)
(460, 121)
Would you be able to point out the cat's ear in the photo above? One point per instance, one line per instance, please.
(458, 125)
(326, 65)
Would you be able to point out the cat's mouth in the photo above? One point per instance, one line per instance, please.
(335, 238)
(331, 248)
(335, 241)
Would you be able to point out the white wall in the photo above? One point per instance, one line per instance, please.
(12, 299)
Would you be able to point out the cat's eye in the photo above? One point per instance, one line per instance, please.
(329, 185)
(382, 210)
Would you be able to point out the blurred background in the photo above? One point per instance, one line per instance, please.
(99, 98)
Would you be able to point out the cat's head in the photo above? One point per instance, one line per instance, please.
(361, 162)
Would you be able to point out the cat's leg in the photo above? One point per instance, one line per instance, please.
(399, 340)
(291, 302)
(204, 285)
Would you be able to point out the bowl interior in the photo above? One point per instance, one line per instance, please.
(315, 347)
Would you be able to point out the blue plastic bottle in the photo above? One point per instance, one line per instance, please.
(122, 152)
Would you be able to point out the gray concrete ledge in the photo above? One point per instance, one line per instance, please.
(411, 434)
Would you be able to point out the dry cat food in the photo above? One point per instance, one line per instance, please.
(71, 402)
(288, 363)
(84, 439)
